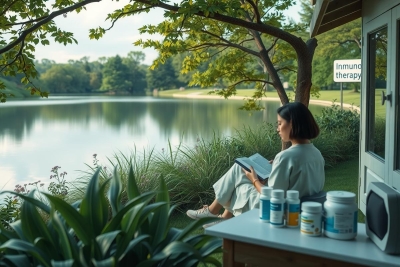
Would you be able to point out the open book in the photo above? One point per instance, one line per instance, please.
(260, 164)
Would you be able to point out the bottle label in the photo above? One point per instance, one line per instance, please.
(311, 224)
(276, 217)
(264, 209)
(341, 223)
(292, 217)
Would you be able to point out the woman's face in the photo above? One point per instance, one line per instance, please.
(284, 129)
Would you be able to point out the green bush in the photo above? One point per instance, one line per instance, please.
(334, 120)
(102, 230)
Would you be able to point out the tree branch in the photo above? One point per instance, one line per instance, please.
(7, 8)
(297, 43)
(44, 21)
(255, 9)
(230, 44)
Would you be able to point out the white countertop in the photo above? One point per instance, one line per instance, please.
(249, 229)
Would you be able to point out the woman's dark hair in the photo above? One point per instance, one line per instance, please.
(303, 122)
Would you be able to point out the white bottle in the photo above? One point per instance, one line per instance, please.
(292, 208)
(265, 203)
(311, 218)
(277, 208)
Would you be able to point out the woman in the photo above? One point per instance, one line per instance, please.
(300, 167)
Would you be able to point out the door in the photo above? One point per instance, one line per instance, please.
(374, 129)
(394, 137)
(380, 140)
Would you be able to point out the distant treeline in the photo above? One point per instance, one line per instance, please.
(121, 75)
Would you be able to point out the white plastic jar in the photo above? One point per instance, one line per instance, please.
(340, 215)
(265, 203)
(311, 218)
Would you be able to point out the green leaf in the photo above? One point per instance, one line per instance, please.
(132, 245)
(133, 189)
(32, 223)
(68, 246)
(160, 221)
(74, 219)
(114, 223)
(17, 260)
(24, 246)
(105, 241)
(94, 204)
(114, 193)
(110, 262)
(66, 263)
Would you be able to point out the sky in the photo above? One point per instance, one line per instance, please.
(118, 41)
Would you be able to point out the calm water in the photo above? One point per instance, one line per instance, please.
(36, 135)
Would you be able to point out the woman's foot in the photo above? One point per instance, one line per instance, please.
(200, 213)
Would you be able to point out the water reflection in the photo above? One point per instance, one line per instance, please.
(67, 131)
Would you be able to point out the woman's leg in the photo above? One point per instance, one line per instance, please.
(227, 214)
(215, 207)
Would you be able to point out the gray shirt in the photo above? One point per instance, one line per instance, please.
(301, 168)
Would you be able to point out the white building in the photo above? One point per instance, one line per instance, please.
(380, 114)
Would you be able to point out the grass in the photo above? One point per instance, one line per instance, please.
(349, 96)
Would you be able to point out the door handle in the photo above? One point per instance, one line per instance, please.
(387, 97)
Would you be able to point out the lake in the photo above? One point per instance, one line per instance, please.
(36, 135)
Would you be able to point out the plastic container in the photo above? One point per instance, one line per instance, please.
(265, 203)
(293, 208)
(340, 215)
(277, 208)
(311, 218)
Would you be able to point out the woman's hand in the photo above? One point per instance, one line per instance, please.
(251, 175)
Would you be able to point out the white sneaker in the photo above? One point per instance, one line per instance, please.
(213, 223)
(201, 213)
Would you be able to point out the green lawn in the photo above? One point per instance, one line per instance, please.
(349, 96)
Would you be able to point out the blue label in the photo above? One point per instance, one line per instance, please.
(276, 207)
(294, 207)
(264, 209)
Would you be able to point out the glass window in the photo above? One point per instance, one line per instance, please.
(377, 74)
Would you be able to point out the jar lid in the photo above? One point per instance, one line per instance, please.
(292, 194)
(266, 190)
(278, 193)
(341, 196)
(311, 206)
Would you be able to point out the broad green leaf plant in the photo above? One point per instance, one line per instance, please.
(101, 230)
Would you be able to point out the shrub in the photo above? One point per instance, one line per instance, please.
(100, 230)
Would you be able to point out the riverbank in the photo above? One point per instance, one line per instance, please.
(351, 100)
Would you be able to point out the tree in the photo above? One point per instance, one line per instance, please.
(163, 77)
(136, 72)
(65, 78)
(116, 75)
(230, 23)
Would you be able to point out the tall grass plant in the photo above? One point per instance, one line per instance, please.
(190, 171)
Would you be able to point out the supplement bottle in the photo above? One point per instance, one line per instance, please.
(293, 208)
(311, 218)
(340, 212)
(277, 208)
(265, 203)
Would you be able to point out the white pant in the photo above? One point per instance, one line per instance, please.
(235, 192)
